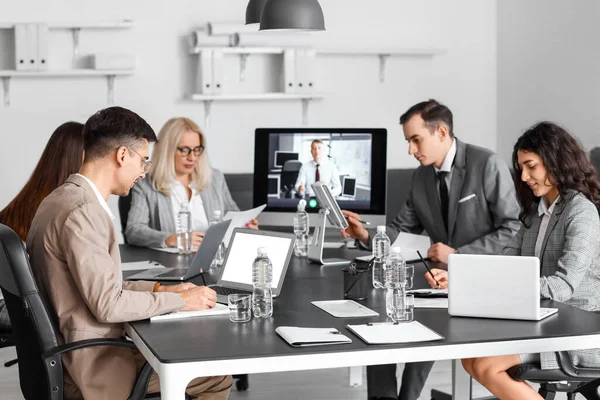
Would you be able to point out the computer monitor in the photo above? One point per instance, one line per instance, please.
(273, 186)
(349, 187)
(282, 156)
(356, 156)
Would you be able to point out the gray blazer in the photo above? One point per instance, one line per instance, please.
(482, 211)
(151, 219)
(569, 260)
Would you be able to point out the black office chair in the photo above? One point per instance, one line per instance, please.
(34, 332)
(289, 175)
(567, 379)
(124, 206)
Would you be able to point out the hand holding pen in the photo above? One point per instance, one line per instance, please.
(437, 278)
(355, 227)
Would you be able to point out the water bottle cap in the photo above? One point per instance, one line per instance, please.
(381, 229)
(261, 250)
(302, 205)
(395, 250)
(217, 213)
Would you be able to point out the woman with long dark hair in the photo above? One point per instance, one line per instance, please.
(560, 197)
(62, 157)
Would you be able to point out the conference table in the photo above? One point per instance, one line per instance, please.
(181, 350)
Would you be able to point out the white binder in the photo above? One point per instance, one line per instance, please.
(301, 337)
(25, 47)
(288, 71)
(217, 71)
(301, 76)
(204, 75)
(42, 46)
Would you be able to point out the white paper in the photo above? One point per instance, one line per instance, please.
(431, 302)
(299, 337)
(409, 244)
(345, 308)
(428, 291)
(140, 265)
(219, 309)
(239, 219)
(407, 332)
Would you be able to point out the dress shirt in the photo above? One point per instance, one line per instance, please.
(195, 206)
(99, 196)
(328, 172)
(447, 167)
(543, 209)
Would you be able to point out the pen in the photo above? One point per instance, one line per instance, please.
(382, 323)
(202, 275)
(362, 222)
(428, 270)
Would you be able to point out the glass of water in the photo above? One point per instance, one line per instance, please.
(239, 307)
(410, 274)
(184, 242)
(409, 308)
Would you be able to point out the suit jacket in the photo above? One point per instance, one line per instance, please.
(75, 259)
(482, 210)
(569, 260)
(151, 219)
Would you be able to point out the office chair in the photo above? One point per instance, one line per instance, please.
(124, 206)
(34, 330)
(6, 340)
(289, 175)
(567, 379)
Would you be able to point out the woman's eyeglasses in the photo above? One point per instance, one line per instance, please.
(185, 151)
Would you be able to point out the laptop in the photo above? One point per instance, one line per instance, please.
(236, 272)
(506, 287)
(204, 256)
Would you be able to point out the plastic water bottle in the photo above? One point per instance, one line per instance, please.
(381, 250)
(301, 230)
(262, 275)
(395, 283)
(184, 230)
(220, 255)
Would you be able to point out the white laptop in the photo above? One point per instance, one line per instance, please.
(506, 287)
(236, 272)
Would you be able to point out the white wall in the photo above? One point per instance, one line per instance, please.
(548, 67)
(464, 78)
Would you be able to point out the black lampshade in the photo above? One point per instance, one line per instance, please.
(304, 15)
(253, 11)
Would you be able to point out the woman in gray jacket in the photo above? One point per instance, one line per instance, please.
(180, 175)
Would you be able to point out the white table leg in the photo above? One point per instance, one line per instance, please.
(172, 386)
(461, 381)
(355, 376)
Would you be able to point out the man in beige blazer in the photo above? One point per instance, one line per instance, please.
(76, 261)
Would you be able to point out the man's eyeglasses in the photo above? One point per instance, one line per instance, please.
(185, 151)
(146, 163)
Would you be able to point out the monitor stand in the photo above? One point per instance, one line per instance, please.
(315, 247)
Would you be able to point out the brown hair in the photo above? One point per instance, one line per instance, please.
(61, 157)
(433, 113)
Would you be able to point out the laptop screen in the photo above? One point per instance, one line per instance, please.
(242, 252)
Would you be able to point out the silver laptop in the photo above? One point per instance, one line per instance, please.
(236, 272)
(506, 287)
(204, 256)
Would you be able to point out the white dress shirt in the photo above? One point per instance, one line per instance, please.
(195, 206)
(547, 212)
(447, 167)
(99, 196)
(328, 173)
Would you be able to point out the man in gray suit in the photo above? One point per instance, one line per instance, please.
(462, 196)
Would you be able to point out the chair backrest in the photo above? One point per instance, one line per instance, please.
(399, 182)
(595, 158)
(124, 206)
(241, 188)
(34, 330)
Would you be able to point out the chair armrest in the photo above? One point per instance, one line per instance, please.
(64, 348)
(566, 364)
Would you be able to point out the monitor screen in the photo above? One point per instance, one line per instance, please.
(350, 161)
(273, 185)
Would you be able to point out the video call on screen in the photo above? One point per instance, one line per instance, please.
(345, 166)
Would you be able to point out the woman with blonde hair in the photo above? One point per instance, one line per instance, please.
(181, 174)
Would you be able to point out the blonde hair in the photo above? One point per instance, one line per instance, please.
(162, 175)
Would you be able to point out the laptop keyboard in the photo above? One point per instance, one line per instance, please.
(225, 290)
(174, 273)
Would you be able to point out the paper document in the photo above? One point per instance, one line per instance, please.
(240, 219)
(140, 265)
(431, 302)
(409, 243)
(344, 308)
(404, 332)
(300, 337)
(219, 309)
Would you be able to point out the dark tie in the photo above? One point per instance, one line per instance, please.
(317, 174)
(444, 196)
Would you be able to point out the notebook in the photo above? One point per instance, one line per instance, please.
(345, 308)
(219, 309)
(404, 332)
(302, 337)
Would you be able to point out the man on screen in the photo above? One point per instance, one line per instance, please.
(319, 169)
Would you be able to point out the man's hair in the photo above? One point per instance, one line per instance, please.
(433, 113)
(111, 128)
(319, 141)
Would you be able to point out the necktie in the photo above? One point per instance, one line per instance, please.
(444, 196)
(317, 174)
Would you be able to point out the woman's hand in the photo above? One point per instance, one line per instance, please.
(196, 238)
(252, 224)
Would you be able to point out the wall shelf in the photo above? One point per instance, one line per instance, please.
(122, 24)
(207, 99)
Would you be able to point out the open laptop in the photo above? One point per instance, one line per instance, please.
(236, 272)
(506, 287)
(204, 256)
